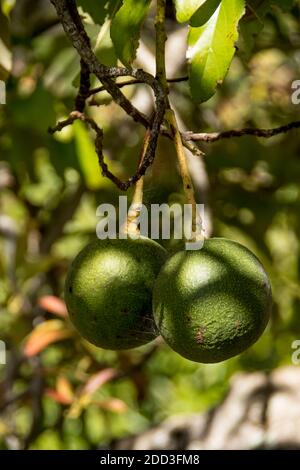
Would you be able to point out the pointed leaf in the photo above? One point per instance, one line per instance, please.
(186, 8)
(211, 49)
(126, 26)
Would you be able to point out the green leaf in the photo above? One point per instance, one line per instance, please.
(126, 26)
(88, 159)
(211, 49)
(185, 9)
(204, 12)
(102, 44)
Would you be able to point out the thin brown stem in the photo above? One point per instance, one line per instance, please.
(264, 133)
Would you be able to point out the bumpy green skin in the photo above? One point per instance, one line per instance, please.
(212, 304)
(108, 292)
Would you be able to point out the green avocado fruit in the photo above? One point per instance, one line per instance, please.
(108, 291)
(214, 303)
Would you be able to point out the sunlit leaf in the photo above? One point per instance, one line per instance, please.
(45, 334)
(5, 52)
(211, 49)
(126, 26)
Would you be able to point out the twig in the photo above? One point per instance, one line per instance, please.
(264, 133)
(193, 148)
(75, 115)
(99, 89)
(131, 224)
(65, 123)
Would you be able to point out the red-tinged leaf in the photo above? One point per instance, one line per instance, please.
(84, 398)
(45, 334)
(54, 305)
(114, 404)
(97, 380)
(58, 397)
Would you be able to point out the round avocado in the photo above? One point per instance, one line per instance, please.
(108, 291)
(214, 303)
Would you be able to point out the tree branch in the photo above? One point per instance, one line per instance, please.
(72, 24)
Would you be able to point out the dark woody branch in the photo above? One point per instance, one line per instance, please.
(72, 24)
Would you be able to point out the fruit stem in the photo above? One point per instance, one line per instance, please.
(185, 175)
(131, 224)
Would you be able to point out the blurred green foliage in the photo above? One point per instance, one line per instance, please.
(52, 393)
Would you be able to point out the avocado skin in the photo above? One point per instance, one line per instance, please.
(108, 291)
(214, 303)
